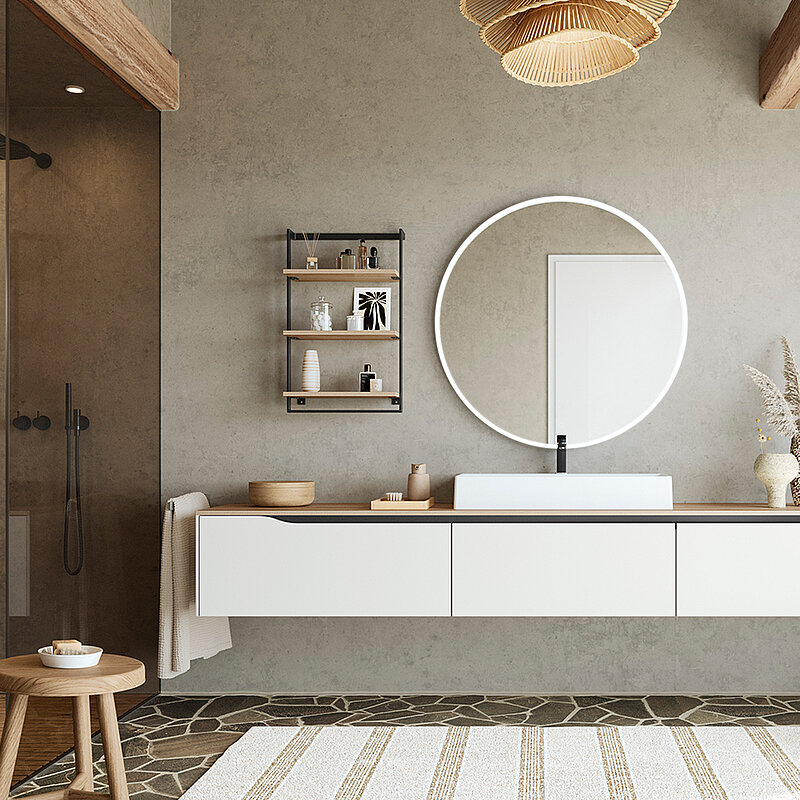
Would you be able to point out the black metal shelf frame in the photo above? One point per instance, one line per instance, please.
(301, 406)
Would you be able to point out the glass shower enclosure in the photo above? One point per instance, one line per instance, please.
(81, 351)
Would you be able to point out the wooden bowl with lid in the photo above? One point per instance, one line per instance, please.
(281, 494)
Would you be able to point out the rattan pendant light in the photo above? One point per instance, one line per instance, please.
(525, 21)
(483, 11)
(567, 42)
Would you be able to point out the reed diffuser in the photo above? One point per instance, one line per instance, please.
(312, 262)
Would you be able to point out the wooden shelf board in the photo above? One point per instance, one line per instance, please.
(335, 395)
(364, 336)
(343, 275)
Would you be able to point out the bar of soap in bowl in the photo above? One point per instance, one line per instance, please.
(66, 647)
(88, 657)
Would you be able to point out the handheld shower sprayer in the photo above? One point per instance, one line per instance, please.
(74, 423)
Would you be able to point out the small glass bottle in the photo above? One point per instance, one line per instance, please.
(339, 260)
(362, 255)
(348, 259)
(321, 315)
(365, 377)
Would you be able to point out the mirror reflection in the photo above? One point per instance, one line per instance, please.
(561, 317)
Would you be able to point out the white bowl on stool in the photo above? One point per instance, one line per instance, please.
(89, 657)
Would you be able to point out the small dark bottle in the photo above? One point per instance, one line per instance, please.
(365, 377)
(372, 258)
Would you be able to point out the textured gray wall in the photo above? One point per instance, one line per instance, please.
(494, 311)
(320, 117)
(156, 15)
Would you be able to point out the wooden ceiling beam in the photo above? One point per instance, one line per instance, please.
(112, 38)
(779, 67)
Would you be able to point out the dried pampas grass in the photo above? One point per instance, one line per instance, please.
(777, 409)
(790, 376)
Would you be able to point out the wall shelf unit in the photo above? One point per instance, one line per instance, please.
(296, 401)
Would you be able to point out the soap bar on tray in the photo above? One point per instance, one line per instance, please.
(67, 647)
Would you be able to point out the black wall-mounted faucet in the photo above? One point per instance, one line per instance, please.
(561, 453)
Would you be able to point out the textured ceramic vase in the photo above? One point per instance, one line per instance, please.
(310, 378)
(419, 483)
(775, 470)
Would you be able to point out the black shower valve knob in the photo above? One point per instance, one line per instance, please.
(21, 422)
(41, 421)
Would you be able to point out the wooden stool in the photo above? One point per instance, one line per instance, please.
(25, 676)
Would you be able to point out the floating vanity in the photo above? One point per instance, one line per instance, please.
(343, 560)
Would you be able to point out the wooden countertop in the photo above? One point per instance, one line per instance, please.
(683, 511)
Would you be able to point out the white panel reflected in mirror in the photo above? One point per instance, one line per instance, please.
(561, 316)
(614, 327)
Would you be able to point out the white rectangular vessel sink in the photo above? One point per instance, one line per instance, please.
(538, 491)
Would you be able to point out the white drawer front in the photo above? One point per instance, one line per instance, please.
(565, 569)
(259, 566)
(738, 569)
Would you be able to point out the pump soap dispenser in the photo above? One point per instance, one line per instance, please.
(419, 483)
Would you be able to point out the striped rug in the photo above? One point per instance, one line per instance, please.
(506, 763)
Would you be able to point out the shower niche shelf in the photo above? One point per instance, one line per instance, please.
(296, 400)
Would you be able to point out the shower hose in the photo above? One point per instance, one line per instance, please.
(73, 429)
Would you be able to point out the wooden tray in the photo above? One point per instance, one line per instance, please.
(382, 504)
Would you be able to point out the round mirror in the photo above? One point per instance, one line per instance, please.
(561, 316)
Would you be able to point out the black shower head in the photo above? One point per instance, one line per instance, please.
(17, 150)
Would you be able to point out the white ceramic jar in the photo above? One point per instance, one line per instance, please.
(355, 321)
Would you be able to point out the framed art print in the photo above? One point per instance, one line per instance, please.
(376, 305)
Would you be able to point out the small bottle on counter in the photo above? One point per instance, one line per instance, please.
(339, 260)
(372, 258)
(419, 483)
(365, 377)
(362, 255)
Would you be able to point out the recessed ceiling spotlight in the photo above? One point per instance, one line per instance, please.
(73, 88)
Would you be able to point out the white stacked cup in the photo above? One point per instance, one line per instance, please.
(311, 376)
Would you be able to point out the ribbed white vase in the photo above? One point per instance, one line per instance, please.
(311, 378)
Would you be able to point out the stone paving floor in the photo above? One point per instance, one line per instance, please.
(169, 742)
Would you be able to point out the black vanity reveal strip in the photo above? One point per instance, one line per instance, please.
(333, 517)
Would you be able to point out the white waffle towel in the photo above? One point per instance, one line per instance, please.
(183, 635)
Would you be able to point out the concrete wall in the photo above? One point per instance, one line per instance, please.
(156, 15)
(323, 117)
